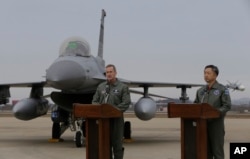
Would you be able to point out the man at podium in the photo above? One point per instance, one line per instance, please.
(115, 93)
(217, 96)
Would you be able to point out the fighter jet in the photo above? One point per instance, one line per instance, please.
(75, 75)
(235, 86)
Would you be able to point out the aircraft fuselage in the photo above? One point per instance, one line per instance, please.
(75, 74)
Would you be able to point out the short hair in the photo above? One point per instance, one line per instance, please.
(214, 69)
(111, 65)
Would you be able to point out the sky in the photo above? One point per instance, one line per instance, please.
(161, 41)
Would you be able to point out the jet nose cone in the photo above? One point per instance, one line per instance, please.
(65, 75)
(241, 87)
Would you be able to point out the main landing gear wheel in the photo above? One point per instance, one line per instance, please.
(56, 131)
(79, 139)
(127, 132)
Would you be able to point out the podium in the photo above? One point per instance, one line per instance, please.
(97, 128)
(193, 127)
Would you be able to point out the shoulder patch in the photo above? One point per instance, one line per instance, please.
(226, 92)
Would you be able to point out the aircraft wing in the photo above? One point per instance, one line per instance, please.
(5, 91)
(150, 94)
(24, 84)
(136, 84)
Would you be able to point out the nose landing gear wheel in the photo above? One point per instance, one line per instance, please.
(79, 139)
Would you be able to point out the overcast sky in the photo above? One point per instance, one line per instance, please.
(163, 40)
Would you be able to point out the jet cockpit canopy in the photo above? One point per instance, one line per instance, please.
(75, 46)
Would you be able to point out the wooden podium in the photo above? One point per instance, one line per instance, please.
(193, 127)
(97, 128)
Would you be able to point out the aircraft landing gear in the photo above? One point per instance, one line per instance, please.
(56, 130)
(127, 131)
(60, 121)
(81, 133)
(79, 139)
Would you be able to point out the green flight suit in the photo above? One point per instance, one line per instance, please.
(218, 97)
(118, 95)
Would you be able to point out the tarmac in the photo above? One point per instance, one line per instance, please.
(157, 138)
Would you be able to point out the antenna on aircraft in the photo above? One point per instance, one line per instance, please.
(100, 48)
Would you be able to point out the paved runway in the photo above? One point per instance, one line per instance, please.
(158, 138)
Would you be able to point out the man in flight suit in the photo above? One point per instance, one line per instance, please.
(217, 96)
(116, 93)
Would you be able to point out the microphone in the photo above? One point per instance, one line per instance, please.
(204, 93)
(107, 89)
(205, 90)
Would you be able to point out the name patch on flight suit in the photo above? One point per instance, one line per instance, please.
(203, 92)
(115, 91)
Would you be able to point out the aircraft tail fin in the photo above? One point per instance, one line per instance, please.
(100, 47)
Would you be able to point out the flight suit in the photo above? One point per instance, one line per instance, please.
(218, 97)
(118, 95)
